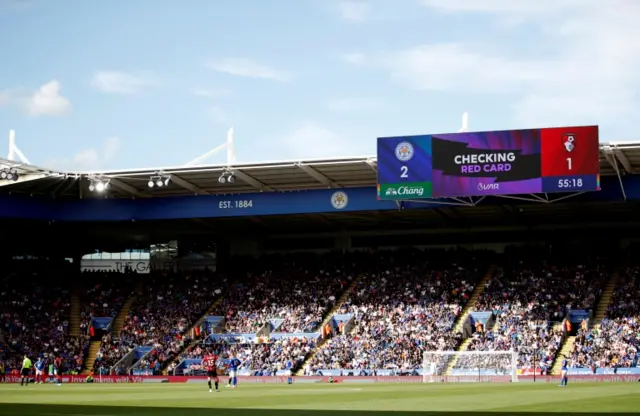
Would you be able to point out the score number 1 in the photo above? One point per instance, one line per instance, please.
(404, 172)
(569, 165)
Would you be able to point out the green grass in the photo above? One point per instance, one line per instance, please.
(316, 399)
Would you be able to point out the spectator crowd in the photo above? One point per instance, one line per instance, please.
(296, 290)
(162, 316)
(34, 317)
(265, 358)
(526, 299)
(404, 303)
(615, 343)
(406, 308)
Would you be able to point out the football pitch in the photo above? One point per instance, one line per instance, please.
(348, 399)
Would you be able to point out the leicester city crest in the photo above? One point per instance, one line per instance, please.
(339, 200)
(404, 151)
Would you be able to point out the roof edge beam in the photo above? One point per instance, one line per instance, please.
(372, 163)
(317, 175)
(23, 178)
(64, 187)
(623, 160)
(252, 181)
(188, 185)
(127, 188)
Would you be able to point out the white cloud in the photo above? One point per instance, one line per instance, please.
(47, 101)
(356, 11)
(355, 105)
(354, 58)
(241, 67)
(588, 75)
(123, 83)
(506, 7)
(91, 158)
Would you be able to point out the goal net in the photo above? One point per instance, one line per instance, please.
(469, 366)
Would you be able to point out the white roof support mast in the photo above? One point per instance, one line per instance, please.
(229, 145)
(14, 150)
(16, 167)
(465, 123)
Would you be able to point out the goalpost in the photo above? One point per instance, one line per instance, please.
(469, 366)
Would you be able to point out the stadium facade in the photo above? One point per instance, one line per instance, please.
(304, 205)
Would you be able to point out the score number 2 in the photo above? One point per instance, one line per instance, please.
(404, 172)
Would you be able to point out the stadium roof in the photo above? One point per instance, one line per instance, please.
(621, 158)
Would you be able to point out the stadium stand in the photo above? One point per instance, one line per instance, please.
(35, 319)
(104, 294)
(288, 295)
(161, 319)
(268, 358)
(293, 291)
(407, 302)
(362, 311)
(615, 343)
(527, 300)
(403, 303)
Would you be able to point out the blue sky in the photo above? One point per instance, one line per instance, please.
(91, 84)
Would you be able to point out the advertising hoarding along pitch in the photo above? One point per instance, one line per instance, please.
(549, 160)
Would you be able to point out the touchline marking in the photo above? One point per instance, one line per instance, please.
(77, 414)
(327, 390)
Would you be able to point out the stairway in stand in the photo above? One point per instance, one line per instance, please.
(208, 312)
(341, 300)
(336, 307)
(76, 309)
(116, 327)
(565, 350)
(118, 322)
(600, 312)
(470, 306)
(90, 359)
(605, 299)
(466, 311)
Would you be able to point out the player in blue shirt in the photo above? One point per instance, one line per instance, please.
(39, 370)
(565, 368)
(233, 366)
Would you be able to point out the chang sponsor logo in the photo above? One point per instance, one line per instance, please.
(410, 190)
(405, 190)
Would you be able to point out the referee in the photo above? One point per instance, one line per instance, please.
(26, 370)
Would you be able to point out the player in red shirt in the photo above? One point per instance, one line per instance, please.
(57, 370)
(210, 363)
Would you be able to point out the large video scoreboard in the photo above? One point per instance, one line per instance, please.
(564, 159)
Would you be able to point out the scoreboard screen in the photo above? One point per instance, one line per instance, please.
(564, 159)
